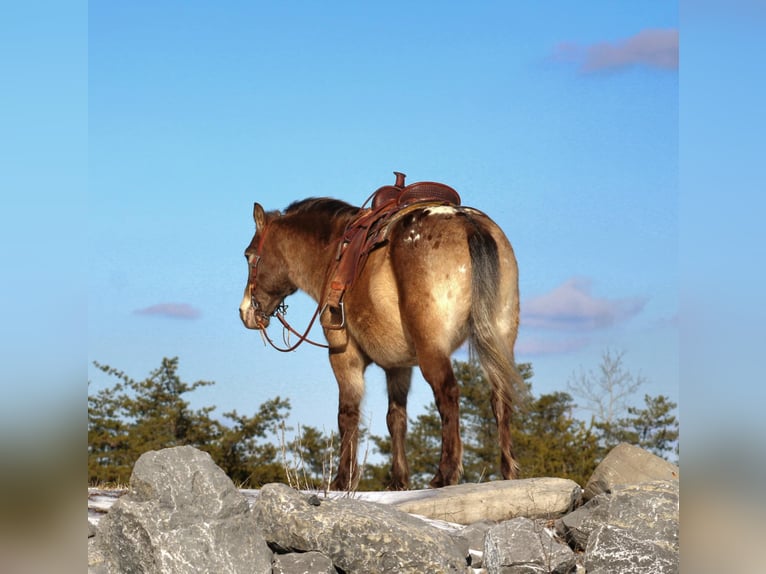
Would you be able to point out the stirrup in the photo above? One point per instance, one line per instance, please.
(334, 311)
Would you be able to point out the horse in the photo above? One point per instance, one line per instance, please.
(442, 275)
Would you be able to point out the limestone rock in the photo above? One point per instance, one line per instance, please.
(358, 536)
(651, 508)
(471, 538)
(302, 563)
(522, 545)
(633, 529)
(497, 501)
(612, 549)
(628, 464)
(181, 514)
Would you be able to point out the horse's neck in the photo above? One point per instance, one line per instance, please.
(311, 254)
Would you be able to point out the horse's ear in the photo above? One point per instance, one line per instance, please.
(259, 216)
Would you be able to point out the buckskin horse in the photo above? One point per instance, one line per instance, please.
(402, 283)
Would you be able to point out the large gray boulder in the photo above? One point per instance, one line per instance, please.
(633, 529)
(181, 514)
(628, 464)
(523, 545)
(358, 536)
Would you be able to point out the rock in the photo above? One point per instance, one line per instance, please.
(302, 563)
(497, 501)
(358, 536)
(471, 538)
(96, 563)
(522, 545)
(181, 514)
(633, 529)
(612, 549)
(576, 526)
(628, 464)
(651, 507)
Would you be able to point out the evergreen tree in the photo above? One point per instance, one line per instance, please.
(653, 427)
(133, 417)
(551, 442)
(424, 443)
(423, 450)
(109, 459)
(243, 450)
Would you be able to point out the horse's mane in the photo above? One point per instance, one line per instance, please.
(323, 206)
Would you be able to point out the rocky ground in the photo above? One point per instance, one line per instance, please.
(182, 514)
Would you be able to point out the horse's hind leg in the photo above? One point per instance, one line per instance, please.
(437, 370)
(398, 382)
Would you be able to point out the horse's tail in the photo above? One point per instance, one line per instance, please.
(494, 349)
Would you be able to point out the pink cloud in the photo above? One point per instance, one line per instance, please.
(572, 307)
(172, 310)
(652, 48)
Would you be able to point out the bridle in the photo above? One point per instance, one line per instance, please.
(281, 309)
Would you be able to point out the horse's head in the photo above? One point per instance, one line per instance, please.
(267, 282)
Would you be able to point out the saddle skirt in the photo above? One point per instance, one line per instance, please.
(368, 231)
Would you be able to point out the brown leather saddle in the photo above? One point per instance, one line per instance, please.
(367, 232)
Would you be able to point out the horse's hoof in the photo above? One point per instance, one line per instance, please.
(436, 482)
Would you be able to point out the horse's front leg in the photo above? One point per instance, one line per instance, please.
(348, 365)
(398, 382)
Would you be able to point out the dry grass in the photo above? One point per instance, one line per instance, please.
(299, 477)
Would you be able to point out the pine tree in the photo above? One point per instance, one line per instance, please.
(247, 450)
(133, 417)
(653, 427)
(551, 442)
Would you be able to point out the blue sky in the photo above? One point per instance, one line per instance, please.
(558, 120)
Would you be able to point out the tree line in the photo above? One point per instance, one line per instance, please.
(134, 416)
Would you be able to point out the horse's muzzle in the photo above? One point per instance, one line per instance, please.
(252, 317)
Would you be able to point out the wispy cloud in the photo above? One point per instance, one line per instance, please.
(572, 307)
(652, 48)
(172, 310)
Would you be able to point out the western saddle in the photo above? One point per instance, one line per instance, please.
(368, 231)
